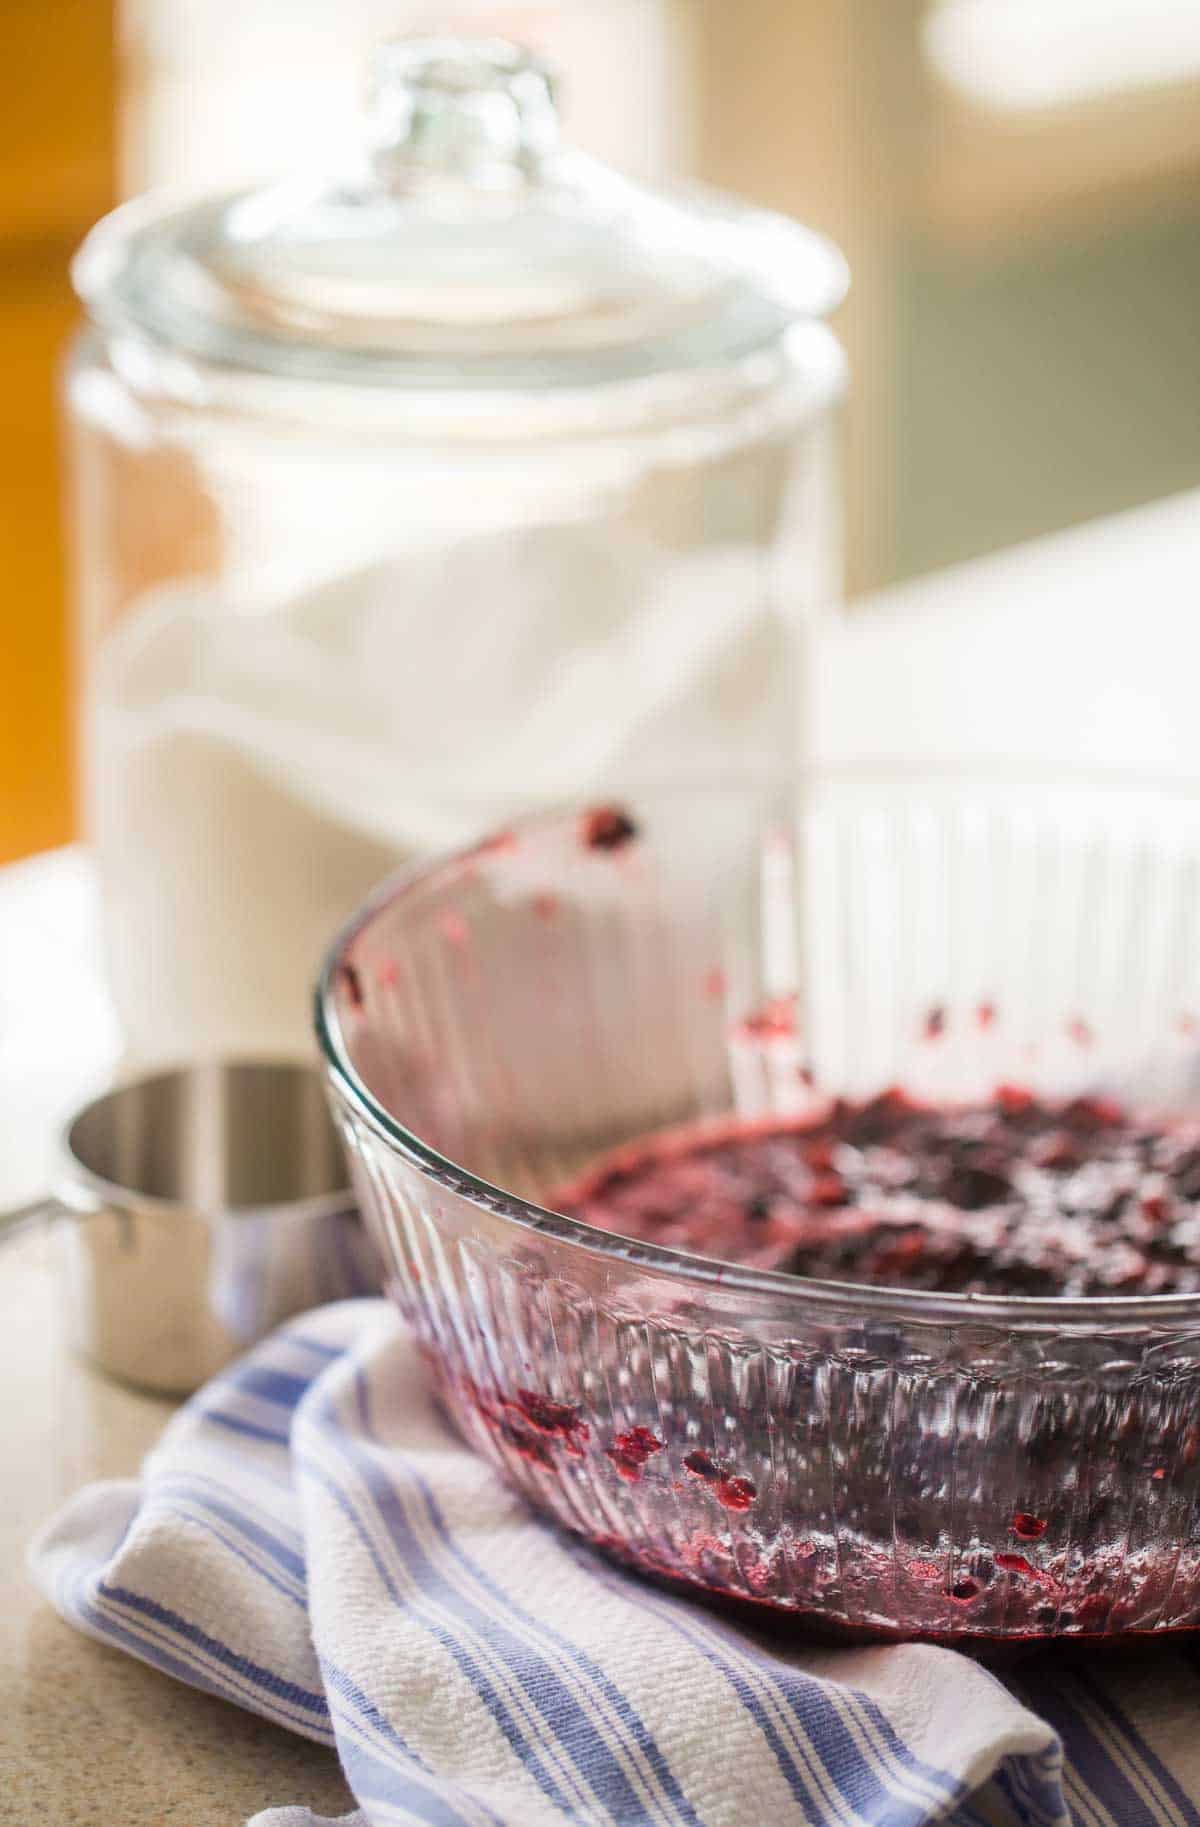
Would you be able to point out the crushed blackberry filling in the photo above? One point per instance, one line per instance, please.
(1017, 1195)
(351, 983)
(729, 1488)
(607, 828)
(630, 1451)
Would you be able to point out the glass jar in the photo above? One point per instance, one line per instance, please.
(478, 478)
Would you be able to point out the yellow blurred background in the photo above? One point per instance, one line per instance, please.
(1016, 183)
(57, 136)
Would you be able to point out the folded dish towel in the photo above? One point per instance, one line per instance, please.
(311, 1541)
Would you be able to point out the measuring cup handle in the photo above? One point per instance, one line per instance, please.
(29, 1217)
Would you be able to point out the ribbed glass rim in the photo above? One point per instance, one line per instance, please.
(925, 1307)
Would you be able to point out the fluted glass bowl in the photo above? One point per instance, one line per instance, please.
(499, 1018)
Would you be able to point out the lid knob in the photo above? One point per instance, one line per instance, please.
(454, 111)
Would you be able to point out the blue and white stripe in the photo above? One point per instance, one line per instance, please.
(309, 1541)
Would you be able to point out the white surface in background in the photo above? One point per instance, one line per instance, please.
(58, 1037)
(1024, 54)
(1081, 650)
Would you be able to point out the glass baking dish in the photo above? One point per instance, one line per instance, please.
(886, 1463)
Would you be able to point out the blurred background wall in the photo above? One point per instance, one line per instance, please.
(57, 140)
(1016, 183)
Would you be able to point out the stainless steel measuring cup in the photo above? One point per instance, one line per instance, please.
(205, 1205)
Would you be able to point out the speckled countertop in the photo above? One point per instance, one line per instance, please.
(88, 1737)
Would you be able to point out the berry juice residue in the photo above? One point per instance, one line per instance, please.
(1013, 1196)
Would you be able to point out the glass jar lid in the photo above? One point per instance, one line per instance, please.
(471, 251)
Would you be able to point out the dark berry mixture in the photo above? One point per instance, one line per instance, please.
(351, 985)
(1015, 1196)
(607, 828)
(630, 1451)
(774, 1020)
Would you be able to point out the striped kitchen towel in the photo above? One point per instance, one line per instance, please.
(311, 1541)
